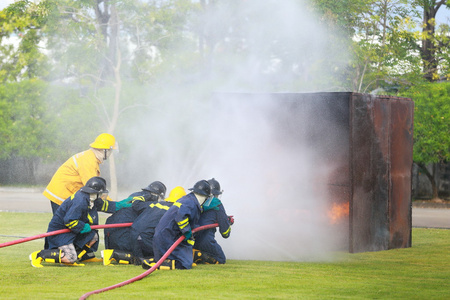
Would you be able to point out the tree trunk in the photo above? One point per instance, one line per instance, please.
(113, 177)
(428, 50)
(117, 60)
(431, 177)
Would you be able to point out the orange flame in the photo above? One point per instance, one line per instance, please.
(338, 211)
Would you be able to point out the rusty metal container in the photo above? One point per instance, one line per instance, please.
(371, 138)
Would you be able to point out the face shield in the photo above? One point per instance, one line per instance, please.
(210, 198)
(95, 196)
(208, 201)
(107, 152)
(103, 196)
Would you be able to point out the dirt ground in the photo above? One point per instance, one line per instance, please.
(31, 200)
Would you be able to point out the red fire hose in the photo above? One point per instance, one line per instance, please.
(56, 232)
(139, 277)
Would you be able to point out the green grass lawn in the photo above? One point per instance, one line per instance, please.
(419, 272)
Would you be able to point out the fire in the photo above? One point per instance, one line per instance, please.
(338, 211)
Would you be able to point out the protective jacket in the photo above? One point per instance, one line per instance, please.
(119, 238)
(72, 175)
(205, 240)
(175, 222)
(73, 213)
(143, 228)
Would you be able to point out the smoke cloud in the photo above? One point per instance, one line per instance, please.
(274, 184)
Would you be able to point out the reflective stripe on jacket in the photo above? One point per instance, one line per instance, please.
(73, 213)
(72, 175)
(205, 240)
(168, 230)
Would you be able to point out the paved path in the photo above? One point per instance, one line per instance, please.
(23, 200)
(431, 217)
(32, 200)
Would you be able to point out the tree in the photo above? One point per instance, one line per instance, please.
(431, 126)
(369, 25)
(24, 134)
(104, 45)
(395, 42)
(23, 122)
(432, 44)
(22, 21)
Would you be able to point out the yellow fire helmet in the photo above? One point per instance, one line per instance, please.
(175, 194)
(104, 141)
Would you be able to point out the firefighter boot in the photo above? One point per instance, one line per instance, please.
(148, 263)
(119, 256)
(50, 256)
(168, 264)
(87, 255)
(203, 258)
(197, 256)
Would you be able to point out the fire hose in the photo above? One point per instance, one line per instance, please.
(160, 261)
(56, 232)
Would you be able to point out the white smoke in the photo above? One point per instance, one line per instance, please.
(276, 189)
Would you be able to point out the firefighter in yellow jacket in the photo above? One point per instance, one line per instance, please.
(77, 170)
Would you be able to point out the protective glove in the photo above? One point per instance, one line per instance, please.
(189, 238)
(187, 235)
(127, 200)
(123, 204)
(86, 228)
(231, 220)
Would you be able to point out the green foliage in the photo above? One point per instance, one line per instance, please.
(345, 14)
(23, 120)
(431, 122)
(37, 122)
(108, 61)
(419, 272)
(73, 122)
(158, 31)
(387, 38)
(22, 21)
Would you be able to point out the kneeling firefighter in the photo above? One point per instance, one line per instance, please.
(179, 221)
(118, 238)
(77, 213)
(206, 249)
(140, 236)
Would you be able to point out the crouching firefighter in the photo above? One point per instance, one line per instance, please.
(206, 249)
(179, 221)
(118, 238)
(77, 213)
(140, 236)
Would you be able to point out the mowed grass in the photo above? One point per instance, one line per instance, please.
(419, 272)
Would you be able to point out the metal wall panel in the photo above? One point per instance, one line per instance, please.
(369, 146)
(381, 162)
(401, 160)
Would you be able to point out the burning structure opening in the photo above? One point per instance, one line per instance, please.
(349, 159)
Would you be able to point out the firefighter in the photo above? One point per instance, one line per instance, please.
(141, 233)
(78, 169)
(206, 248)
(179, 221)
(117, 238)
(143, 229)
(77, 213)
(118, 241)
